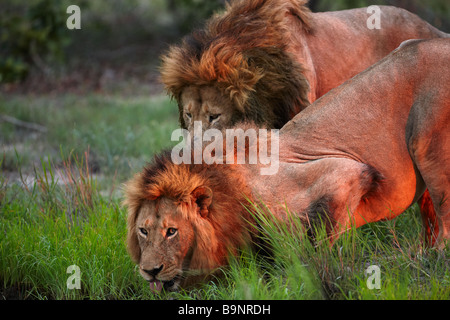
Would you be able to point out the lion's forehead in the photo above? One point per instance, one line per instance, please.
(155, 223)
(205, 99)
(163, 213)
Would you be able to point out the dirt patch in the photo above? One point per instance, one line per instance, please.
(16, 292)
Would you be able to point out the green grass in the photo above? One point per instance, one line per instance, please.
(41, 240)
(120, 134)
(60, 191)
(408, 270)
(58, 208)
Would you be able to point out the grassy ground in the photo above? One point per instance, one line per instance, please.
(60, 206)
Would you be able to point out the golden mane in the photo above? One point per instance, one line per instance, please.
(225, 228)
(243, 52)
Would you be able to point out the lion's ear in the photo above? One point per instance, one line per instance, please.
(203, 198)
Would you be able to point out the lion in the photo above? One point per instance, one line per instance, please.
(184, 221)
(364, 152)
(266, 60)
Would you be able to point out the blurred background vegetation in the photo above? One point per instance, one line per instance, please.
(120, 41)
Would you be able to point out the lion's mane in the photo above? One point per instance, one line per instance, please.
(224, 229)
(243, 52)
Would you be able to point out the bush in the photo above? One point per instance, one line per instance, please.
(191, 13)
(32, 34)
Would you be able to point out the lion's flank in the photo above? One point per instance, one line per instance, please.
(243, 52)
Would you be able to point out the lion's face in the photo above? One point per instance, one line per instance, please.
(165, 239)
(208, 105)
(177, 234)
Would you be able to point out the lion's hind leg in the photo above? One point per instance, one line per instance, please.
(431, 155)
(441, 204)
(429, 219)
(429, 147)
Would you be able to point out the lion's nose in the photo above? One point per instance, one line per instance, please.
(154, 271)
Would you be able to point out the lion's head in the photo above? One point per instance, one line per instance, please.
(208, 105)
(184, 221)
(239, 67)
(165, 242)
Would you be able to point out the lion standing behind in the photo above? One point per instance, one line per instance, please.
(244, 54)
(266, 60)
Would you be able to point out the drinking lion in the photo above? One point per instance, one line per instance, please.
(364, 152)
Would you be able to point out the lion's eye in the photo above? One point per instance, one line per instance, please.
(171, 232)
(143, 232)
(213, 117)
(188, 115)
